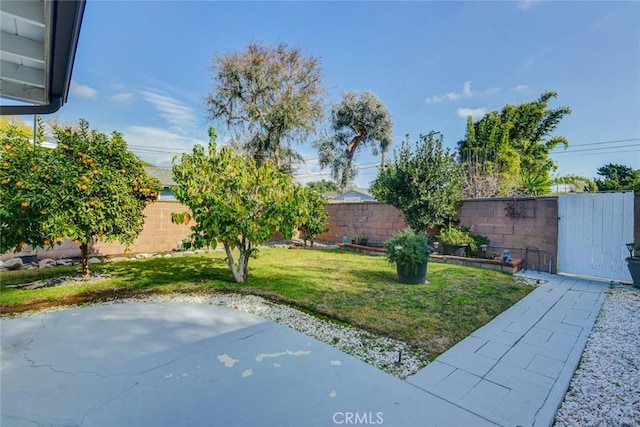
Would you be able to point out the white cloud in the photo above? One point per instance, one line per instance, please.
(526, 4)
(466, 89)
(159, 145)
(466, 92)
(521, 88)
(78, 89)
(124, 97)
(179, 115)
(475, 113)
(452, 96)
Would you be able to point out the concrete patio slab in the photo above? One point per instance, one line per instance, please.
(522, 370)
(175, 364)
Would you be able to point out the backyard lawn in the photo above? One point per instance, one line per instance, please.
(357, 289)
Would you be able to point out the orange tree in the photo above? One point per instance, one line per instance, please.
(90, 187)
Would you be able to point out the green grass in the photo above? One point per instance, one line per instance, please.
(357, 289)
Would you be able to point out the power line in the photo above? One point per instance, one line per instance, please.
(602, 142)
(596, 149)
(608, 152)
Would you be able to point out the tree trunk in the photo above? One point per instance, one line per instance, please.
(347, 170)
(84, 249)
(234, 271)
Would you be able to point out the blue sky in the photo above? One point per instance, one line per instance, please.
(142, 68)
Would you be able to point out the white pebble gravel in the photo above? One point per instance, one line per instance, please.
(605, 389)
(381, 352)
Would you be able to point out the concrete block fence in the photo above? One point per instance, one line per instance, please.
(159, 235)
(507, 222)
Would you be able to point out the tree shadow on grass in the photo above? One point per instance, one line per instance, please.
(158, 272)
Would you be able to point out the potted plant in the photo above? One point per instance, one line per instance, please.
(410, 251)
(633, 263)
(455, 241)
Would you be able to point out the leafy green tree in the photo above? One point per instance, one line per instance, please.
(313, 217)
(618, 177)
(425, 183)
(358, 121)
(268, 97)
(514, 144)
(576, 183)
(322, 186)
(90, 187)
(234, 201)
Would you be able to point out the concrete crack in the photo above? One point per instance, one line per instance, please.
(108, 402)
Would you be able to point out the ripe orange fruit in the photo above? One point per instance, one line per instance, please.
(83, 187)
(46, 242)
(19, 184)
(92, 203)
(5, 164)
(123, 171)
(24, 204)
(80, 154)
(85, 179)
(7, 147)
(5, 181)
(100, 233)
(96, 172)
(76, 241)
(58, 240)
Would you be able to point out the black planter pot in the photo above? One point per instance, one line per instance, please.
(634, 269)
(409, 277)
(457, 250)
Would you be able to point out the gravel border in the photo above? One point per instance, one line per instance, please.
(380, 352)
(605, 389)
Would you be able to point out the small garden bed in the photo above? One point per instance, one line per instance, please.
(488, 264)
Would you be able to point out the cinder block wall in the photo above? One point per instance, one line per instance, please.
(67, 249)
(514, 223)
(375, 220)
(159, 233)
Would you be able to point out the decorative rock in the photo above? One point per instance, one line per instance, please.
(200, 251)
(13, 264)
(3, 269)
(188, 253)
(1, 264)
(167, 256)
(143, 255)
(47, 263)
(64, 262)
(94, 260)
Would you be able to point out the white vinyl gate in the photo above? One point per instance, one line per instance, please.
(592, 232)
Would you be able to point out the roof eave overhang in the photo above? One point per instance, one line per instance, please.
(64, 21)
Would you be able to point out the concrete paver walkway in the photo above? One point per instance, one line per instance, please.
(176, 364)
(515, 370)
